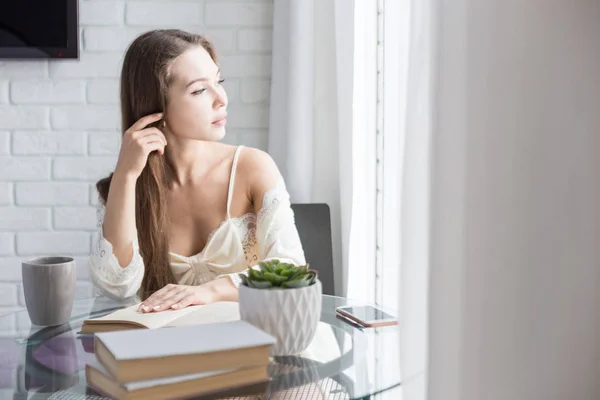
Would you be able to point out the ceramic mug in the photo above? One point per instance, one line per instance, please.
(49, 288)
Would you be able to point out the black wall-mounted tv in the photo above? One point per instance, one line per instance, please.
(38, 29)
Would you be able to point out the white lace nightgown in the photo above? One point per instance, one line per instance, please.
(234, 246)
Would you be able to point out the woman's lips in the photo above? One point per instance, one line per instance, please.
(220, 121)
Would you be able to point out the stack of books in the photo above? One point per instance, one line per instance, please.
(180, 362)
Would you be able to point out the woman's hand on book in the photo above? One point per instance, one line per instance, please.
(176, 297)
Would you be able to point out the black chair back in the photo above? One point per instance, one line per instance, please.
(313, 222)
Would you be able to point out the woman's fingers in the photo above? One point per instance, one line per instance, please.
(144, 121)
(155, 146)
(173, 296)
(152, 303)
(184, 297)
(177, 297)
(183, 303)
(144, 133)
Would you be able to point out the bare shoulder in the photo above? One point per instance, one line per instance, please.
(258, 161)
(260, 173)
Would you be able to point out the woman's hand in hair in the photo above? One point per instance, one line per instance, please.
(138, 142)
(176, 297)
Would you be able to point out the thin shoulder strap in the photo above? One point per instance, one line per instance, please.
(232, 179)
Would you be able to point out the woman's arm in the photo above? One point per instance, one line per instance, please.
(119, 226)
(261, 177)
(116, 267)
(276, 231)
(107, 275)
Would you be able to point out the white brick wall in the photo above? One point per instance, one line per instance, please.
(60, 122)
(7, 243)
(4, 143)
(5, 193)
(47, 92)
(103, 91)
(103, 143)
(47, 142)
(51, 193)
(3, 92)
(255, 40)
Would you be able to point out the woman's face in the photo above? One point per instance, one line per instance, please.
(196, 101)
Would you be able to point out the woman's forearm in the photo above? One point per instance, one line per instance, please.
(119, 219)
(223, 289)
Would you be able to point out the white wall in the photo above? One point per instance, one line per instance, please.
(59, 120)
(515, 300)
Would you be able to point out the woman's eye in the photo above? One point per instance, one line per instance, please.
(220, 81)
(197, 92)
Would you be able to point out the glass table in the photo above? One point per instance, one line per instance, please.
(342, 362)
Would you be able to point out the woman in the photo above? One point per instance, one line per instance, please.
(182, 209)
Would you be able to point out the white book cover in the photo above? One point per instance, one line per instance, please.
(183, 340)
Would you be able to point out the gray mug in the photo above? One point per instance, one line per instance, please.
(49, 288)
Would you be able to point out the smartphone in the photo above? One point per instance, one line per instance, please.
(349, 321)
(368, 316)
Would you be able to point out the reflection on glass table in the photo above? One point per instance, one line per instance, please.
(342, 362)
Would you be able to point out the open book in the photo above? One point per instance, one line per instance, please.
(131, 318)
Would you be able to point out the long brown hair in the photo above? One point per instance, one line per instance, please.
(145, 78)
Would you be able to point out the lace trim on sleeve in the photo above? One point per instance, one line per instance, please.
(105, 262)
(272, 198)
(271, 202)
(277, 233)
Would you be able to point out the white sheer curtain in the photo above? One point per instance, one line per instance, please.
(500, 223)
(409, 67)
(318, 120)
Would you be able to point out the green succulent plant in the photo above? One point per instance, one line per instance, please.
(275, 274)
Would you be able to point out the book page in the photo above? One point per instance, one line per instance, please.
(137, 385)
(223, 311)
(149, 320)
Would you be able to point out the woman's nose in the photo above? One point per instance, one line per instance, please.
(220, 98)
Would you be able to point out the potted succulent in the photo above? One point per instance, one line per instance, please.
(283, 300)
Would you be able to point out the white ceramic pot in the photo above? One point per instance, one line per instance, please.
(289, 315)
